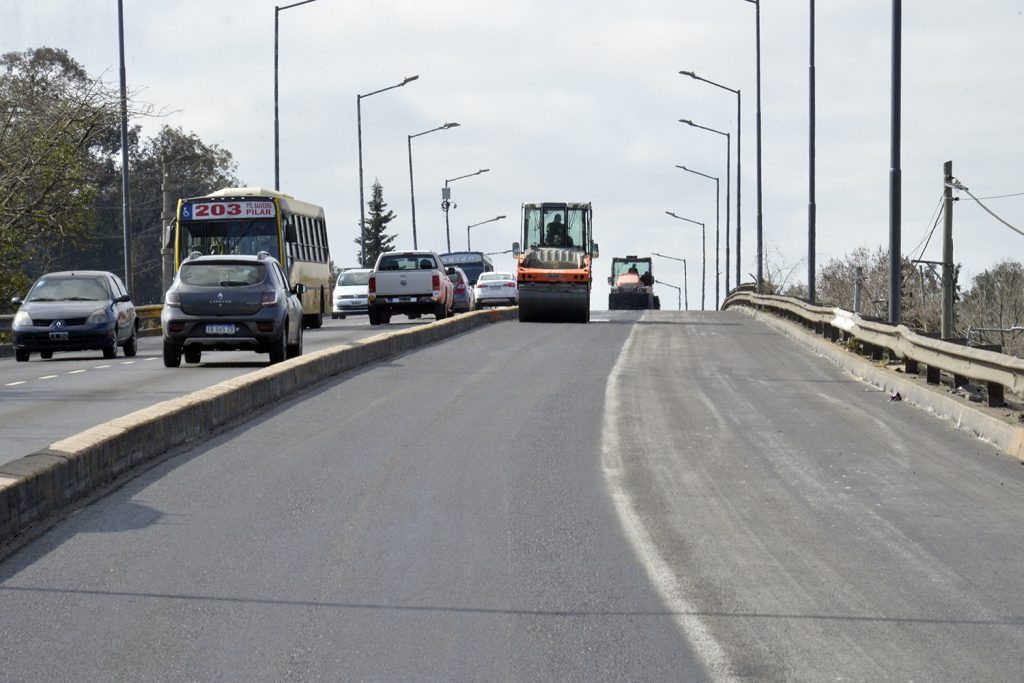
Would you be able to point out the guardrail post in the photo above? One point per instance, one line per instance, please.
(932, 375)
(960, 380)
(877, 353)
(910, 366)
(995, 395)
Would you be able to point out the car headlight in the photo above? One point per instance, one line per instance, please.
(22, 318)
(98, 316)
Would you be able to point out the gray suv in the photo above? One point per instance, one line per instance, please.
(231, 303)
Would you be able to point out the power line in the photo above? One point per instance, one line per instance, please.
(956, 184)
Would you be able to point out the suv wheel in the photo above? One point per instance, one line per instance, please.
(21, 355)
(110, 351)
(172, 355)
(131, 347)
(279, 347)
(295, 350)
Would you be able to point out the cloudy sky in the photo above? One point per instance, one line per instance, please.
(580, 101)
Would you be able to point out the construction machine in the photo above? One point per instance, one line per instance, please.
(553, 266)
(632, 284)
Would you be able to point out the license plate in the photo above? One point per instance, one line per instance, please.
(59, 336)
(220, 329)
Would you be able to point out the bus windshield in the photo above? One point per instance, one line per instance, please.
(473, 263)
(230, 237)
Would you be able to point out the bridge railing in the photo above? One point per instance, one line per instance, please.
(999, 371)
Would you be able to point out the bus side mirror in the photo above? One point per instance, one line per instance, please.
(291, 235)
(516, 249)
(300, 289)
(609, 279)
(594, 251)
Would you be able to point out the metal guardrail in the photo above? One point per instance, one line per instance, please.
(1001, 372)
(5, 322)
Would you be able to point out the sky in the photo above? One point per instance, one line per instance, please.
(566, 100)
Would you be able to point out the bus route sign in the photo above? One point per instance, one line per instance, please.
(207, 211)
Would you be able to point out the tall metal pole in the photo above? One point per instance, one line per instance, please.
(760, 221)
(362, 201)
(447, 205)
(739, 187)
(412, 197)
(129, 280)
(728, 173)
(686, 294)
(948, 320)
(895, 185)
(277, 124)
(811, 207)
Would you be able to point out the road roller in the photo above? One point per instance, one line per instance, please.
(553, 262)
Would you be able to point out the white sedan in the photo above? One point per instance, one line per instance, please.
(496, 289)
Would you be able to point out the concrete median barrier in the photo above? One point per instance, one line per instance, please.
(36, 488)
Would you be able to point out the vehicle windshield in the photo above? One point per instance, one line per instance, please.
(70, 289)
(230, 237)
(555, 225)
(355, 278)
(222, 274)
(406, 262)
(621, 267)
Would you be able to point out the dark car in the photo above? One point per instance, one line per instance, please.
(465, 297)
(231, 303)
(75, 311)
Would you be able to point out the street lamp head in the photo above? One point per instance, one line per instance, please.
(686, 121)
(688, 73)
(409, 79)
(499, 218)
(450, 125)
(483, 170)
(672, 214)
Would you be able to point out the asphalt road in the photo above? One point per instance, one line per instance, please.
(43, 401)
(690, 497)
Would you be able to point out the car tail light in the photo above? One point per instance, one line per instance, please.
(265, 326)
(460, 288)
(435, 281)
(371, 286)
(268, 298)
(510, 284)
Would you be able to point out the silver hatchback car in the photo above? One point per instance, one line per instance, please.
(231, 303)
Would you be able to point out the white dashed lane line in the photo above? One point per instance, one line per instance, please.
(75, 372)
(14, 384)
(49, 376)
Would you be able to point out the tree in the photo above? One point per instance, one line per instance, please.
(193, 168)
(995, 301)
(55, 128)
(377, 241)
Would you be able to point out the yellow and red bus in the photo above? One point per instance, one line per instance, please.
(248, 220)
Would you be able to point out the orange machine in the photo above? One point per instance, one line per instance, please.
(632, 284)
(553, 266)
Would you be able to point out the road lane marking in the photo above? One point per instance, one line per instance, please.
(100, 367)
(75, 372)
(659, 571)
(14, 384)
(48, 376)
(127, 362)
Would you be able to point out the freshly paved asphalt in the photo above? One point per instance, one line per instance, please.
(689, 496)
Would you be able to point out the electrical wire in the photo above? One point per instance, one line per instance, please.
(960, 186)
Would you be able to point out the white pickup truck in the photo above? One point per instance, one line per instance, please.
(409, 282)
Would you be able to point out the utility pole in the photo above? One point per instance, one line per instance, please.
(166, 220)
(947, 250)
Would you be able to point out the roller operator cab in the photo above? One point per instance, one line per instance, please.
(632, 284)
(553, 262)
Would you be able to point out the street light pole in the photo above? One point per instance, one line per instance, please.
(469, 227)
(739, 180)
(359, 135)
(686, 298)
(126, 222)
(760, 222)
(703, 254)
(679, 296)
(811, 206)
(277, 126)
(728, 145)
(895, 186)
(717, 203)
(412, 191)
(446, 203)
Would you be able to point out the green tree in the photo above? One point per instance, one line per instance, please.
(55, 128)
(374, 231)
(995, 301)
(193, 168)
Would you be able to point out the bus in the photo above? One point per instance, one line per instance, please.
(472, 263)
(248, 220)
